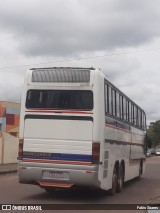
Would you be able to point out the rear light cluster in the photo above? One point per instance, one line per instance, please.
(95, 152)
(20, 151)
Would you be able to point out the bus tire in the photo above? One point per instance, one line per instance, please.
(113, 190)
(140, 168)
(120, 181)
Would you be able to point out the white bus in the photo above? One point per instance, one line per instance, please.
(77, 128)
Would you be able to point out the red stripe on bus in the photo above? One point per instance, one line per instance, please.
(56, 162)
(113, 127)
(63, 185)
(61, 112)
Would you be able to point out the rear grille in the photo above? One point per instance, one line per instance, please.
(61, 75)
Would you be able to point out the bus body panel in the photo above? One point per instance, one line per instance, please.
(53, 129)
(58, 144)
(31, 173)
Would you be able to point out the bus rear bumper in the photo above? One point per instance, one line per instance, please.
(58, 176)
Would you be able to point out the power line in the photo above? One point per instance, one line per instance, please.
(84, 58)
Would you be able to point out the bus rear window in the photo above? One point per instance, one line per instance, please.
(60, 99)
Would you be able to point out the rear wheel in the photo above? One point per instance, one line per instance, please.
(112, 191)
(120, 182)
(140, 168)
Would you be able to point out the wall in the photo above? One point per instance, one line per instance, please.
(9, 149)
(0, 150)
(9, 131)
(9, 117)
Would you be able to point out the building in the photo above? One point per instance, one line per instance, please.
(9, 118)
(9, 131)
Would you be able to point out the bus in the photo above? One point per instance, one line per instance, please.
(78, 129)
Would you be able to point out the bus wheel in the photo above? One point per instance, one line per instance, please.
(112, 191)
(120, 182)
(140, 168)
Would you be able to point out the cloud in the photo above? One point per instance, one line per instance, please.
(73, 27)
(37, 31)
(11, 85)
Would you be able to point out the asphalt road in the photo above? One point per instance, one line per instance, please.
(145, 191)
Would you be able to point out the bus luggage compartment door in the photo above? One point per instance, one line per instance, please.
(57, 136)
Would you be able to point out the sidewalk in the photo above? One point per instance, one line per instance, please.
(8, 168)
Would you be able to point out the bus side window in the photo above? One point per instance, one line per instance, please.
(127, 111)
(121, 106)
(143, 121)
(136, 117)
(117, 105)
(106, 99)
(124, 109)
(110, 99)
(130, 113)
(114, 102)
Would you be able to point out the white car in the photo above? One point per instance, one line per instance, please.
(148, 154)
(157, 152)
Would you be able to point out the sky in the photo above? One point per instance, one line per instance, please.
(120, 37)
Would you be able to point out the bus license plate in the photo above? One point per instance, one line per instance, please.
(56, 174)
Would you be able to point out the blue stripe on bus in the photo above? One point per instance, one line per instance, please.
(59, 156)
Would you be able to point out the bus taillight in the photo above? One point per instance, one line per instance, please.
(20, 151)
(95, 152)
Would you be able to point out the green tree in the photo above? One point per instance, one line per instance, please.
(153, 133)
